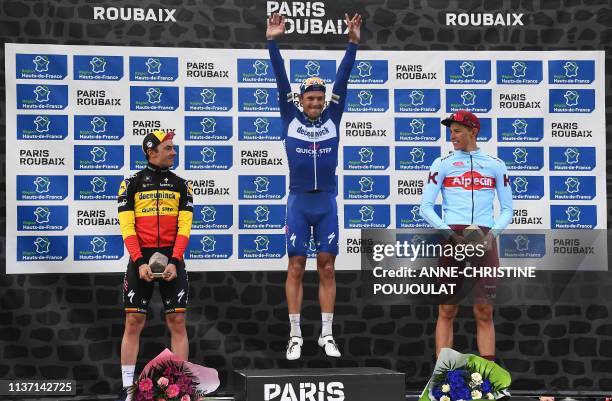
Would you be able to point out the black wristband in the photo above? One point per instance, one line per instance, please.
(140, 261)
(176, 262)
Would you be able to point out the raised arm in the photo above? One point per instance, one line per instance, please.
(338, 97)
(276, 28)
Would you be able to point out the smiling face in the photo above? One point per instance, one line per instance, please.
(313, 102)
(163, 155)
(462, 137)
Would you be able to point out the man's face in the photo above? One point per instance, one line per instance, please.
(462, 137)
(313, 102)
(163, 156)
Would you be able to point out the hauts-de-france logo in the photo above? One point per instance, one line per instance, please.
(208, 157)
(41, 66)
(417, 129)
(571, 71)
(366, 216)
(369, 72)
(571, 100)
(36, 96)
(258, 99)
(572, 158)
(520, 129)
(42, 127)
(527, 187)
(519, 72)
(365, 69)
(365, 97)
(255, 70)
(417, 100)
(522, 157)
(218, 246)
(260, 68)
(415, 157)
(467, 71)
(208, 128)
(208, 243)
(261, 186)
(367, 100)
(572, 187)
(38, 248)
(154, 98)
(98, 68)
(208, 125)
(98, 65)
(475, 100)
(573, 216)
(153, 68)
(41, 63)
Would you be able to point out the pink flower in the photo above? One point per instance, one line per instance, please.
(162, 381)
(172, 390)
(145, 385)
(186, 397)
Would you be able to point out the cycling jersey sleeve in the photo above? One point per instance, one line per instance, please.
(285, 97)
(127, 220)
(185, 218)
(432, 188)
(504, 194)
(338, 97)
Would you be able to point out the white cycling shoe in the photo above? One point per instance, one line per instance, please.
(330, 346)
(294, 348)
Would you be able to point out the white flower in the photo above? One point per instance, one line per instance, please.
(490, 396)
(476, 377)
(445, 398)
(445, 388)
(476, 395)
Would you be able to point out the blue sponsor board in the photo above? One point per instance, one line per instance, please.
(519, 72)
(42, 218)
(98, 68)
(367, 101)
(42, 187)
(522, 245)
(263, 217)
(96, 187)
(520, 129)
(417, 100)
(42, 96)
(258, 99)
(154, 98)
(571, 71)
(259, 128)
(303, 69)
(467, 71)
(138, 160)
(153, 69)
(208, 157)
(367, 216)
(42, 248)
(366, 186)
(484, 135)
(209, 246)
(527, 158)
(527, 187)
(366, 157)
(261, 246)
(51, 127)
(572, 187)
(95, 128)
(474, 100)
(98, 157)
(571, 158)
(369, 72)
(208, 128)
(409, 216)
(417, 129)
(571, 100)
(208, 99)
(98, 247)
(257, 70)
(415, 157)
(261, 186)
(574, 217)
(212, 217)
(41, 66)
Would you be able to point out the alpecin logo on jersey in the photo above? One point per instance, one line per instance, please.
(470, 180)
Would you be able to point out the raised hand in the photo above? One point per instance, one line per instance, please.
(354, 27)
(276, 26)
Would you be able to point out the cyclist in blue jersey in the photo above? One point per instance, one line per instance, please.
(468, 179)
(311, 140)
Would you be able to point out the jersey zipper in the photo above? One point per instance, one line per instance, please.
(157, 189)
(315, 162)
(472, 186)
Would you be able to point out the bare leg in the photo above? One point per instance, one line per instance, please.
(485, 330)
(293, 285)
(178, 334)
(444, 326)
(327, 281)
(134, 323)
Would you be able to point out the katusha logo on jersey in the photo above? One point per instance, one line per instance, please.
(42, 187)
(409, 216)
(573, 72)
(212, 217)
(43, 96)
(519, 72)
(474, 100)
(96, 187)
(369, 72)
(255, 70)
(572, 187)
(522, 245)
(98, 127)
(208, 157)
(467, 71)
(259, 128)
(98, 68)
(154, 98)
(571, 100)
(366, 187)
(138, 160)
(573, 217)
(525, 158)
(417, 100)
(107, 157)
(258, 99)
(42, 218)
(42, 248)
(208, 99)
(367, 216)
(470, 180)
(417, 129)
(367, 100)
(415, 157)
(264, 217)
(209, 246)
(572, 158)
(366, 157)
(299, 70)
(41, 66)
(153, 68)
(261, 246)
(98, 247)
(520, 129)
(527, 187)
(42, 127)
(208, 128)
(261, 186)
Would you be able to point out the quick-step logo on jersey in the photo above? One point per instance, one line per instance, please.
(208, 128)
(299, 70)
(577, 72)
(42, 187)
(520, 129)
(409, 216)
(526, 158)
(98, 157)
(522, 245)
(138, 160)
(571, 100)
(367, 101)
(208, 99)
(577, 187)
(42, 248)
(41, 66)
(261, 186)
(470, 180)
(474, 100)
(212, 217)
(571, 158)
(98, 68)
(573, 216)
(208, 157)
(98, 247)
(527, 187)
(96, 187)
(154, 98)
(367, 216)
(415, 157)
(519, 72)
(256, 70)
(98, 127)
(261, 246)
(258, 99)
(366, 186)
(485, 133)
(467, 71)
(42, 96)
(209, 246)
(42, 218)
(417, 100)
(42, 127)
(369, 72)
(417, 129)
(366, 157)
(153, 68)
(262, 128)
(263, 217)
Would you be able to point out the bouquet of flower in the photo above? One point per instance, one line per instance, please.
(465, 377)
(169, 378)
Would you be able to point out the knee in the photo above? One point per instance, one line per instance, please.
(295, 271)
(134, 322)
(447, 311)
(326, 272)
(176, 323)
(483, 313)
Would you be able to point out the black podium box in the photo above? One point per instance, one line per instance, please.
(342, 384)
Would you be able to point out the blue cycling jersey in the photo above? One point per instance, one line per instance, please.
(311, 146)
(468, 181)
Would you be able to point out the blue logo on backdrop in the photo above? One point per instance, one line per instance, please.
(210, 246)
(43, 97)
(255, 70)
(572, 187)
(208, 128)
(138, 161)
(258, 99)
(367, 216)
(467, 71)
(366, 186)
(303, 69)
(42, 187)
(208, 157)
(526, 158)
(153, 68)
(42, 218)
(485, 133)
(521, 72)
(212, 217)
(520, 129)
(208, 99)
(369, 72)
(90, 128)
(417, 129)
(265, 217)
(417, 100)
(571, 158)
(259, 128)
(42, 127)
(527, 187)
(261, 186)
(98, 157)
(96, 187)
(569, 216)
(366, 157)
(474, 100)
(154, 98)
(409, 216)
(367, 100)
(98, 247)
(261, 246)
(415, 157)
(571, 71)
(522, 245)
(98, 68)
(42, 247)
(41, 66)
(571, 100)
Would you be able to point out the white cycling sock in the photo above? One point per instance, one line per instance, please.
(294, 321)
(127, 374)
(327, 320)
